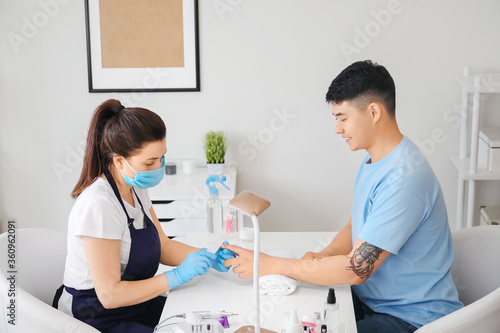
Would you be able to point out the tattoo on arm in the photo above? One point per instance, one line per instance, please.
(363, 260)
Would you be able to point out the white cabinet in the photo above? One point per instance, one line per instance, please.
(180, 200)
(467, 161)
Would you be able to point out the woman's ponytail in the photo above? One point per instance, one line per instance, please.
(116, 130)
(92, 160)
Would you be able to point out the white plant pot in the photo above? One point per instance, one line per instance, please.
(215, 169)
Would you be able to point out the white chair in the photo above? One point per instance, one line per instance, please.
(476, 272)
(39, 265)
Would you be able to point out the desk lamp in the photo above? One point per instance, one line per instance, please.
(252, 205)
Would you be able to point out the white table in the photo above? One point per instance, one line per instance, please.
(216, 291)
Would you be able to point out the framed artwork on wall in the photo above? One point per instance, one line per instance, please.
(147, 45)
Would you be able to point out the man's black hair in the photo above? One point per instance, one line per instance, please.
(361, 83)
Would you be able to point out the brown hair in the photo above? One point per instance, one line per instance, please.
(115, 130)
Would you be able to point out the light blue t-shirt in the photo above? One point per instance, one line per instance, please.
(398, 206)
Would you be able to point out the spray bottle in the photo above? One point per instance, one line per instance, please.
(214, 208)
(292, 324)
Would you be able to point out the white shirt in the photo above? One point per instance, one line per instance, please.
(98, 213)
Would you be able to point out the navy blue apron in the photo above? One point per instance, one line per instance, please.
(144, 258)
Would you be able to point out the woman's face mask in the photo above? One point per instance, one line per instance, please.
(145, 179)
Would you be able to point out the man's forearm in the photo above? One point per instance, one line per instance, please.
(329, 270)
(341, 244)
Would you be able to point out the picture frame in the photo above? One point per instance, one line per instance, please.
(136, 46)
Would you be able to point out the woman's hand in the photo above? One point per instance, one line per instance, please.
(222, 256)
(196, 263)
(244, 262)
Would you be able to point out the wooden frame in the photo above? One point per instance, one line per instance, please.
(142, 46)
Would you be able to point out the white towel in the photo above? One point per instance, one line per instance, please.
(276, 284)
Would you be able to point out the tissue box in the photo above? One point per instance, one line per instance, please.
(489, 148)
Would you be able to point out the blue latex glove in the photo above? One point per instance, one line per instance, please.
(223, 255)
(196, 263)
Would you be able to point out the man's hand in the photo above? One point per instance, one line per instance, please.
(243, 263)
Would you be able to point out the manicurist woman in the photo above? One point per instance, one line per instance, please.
(115, 242)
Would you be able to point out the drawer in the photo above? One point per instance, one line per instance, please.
(186, 209)
(181, 227)
(180, 209)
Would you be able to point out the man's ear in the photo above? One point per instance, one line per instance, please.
(375, 110)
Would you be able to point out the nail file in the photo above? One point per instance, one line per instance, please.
(217, 243)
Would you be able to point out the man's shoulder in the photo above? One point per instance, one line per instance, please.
(416, 168)
(408, 170)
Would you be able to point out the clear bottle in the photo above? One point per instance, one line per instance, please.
(214, 218)
(331, 316)
(214, 208)
(319, 322)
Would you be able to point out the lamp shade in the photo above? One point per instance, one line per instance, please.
(250, 203)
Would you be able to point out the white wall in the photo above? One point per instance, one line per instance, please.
(258, 59)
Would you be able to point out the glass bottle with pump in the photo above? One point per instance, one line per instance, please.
(214, 208)
(331, 316)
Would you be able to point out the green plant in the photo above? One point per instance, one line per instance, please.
(215, 146)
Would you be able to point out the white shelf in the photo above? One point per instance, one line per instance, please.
(476, 84)
(490, 82)
(463, 164)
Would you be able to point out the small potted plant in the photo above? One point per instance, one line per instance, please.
(215, 147)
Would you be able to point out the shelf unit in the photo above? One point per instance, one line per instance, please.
(472, 86)
(180, 200)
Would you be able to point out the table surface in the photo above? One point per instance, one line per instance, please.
(216, 291)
